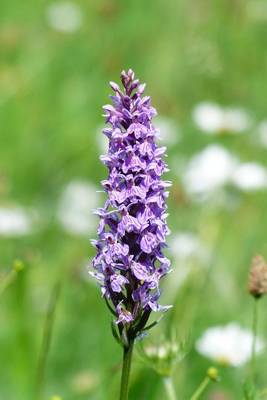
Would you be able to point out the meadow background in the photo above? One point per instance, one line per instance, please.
(55, 65)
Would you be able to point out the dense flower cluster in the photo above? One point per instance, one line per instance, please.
(131, 235)
(257, 282)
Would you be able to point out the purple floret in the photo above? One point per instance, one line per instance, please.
(132, 230)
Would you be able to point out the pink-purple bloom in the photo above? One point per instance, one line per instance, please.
(132, 231)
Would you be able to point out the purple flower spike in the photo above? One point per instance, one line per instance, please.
(132, 230)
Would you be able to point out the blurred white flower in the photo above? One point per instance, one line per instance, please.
(15, 221)
(180, 274)
(160, 351)
(184, 245)
(208, 117)
(235, 120)
(164, 353)
(188, 254)
(84, 381)
(77, 201)
(213, 119)
(229, 344)
(169, 132)
(209, 170)
(222, 198)
(262, 129)
(250, 176)
(64, 16)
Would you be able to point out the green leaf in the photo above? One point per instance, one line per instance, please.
(115, 332)
(109, 307)
(250, 391)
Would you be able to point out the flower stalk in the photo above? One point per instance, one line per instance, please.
(132, 231)
(169, 387)
(211, 376)
(126, 368)
(200, 389)
(254, 340)
(46, 339)
(257, 287)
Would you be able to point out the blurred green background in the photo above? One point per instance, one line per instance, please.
(56, 59)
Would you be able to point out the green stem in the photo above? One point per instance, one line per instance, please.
(126, 367)
(7, 281)
(201, 388)
(46, 339)
(254, 341)
(169, 387)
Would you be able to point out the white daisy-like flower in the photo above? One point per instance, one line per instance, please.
(213, 119)
(15, 221)
(250, 177)
(77, 201)
(64, 16)
(169, 132)
(229, 345)
(209, 170)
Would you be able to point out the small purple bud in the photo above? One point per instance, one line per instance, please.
(114, 86)
(141, 88)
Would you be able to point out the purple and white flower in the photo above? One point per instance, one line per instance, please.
(132, 231)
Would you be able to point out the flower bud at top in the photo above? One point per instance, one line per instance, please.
(18, 265)
(213, 374)
(257, 283)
